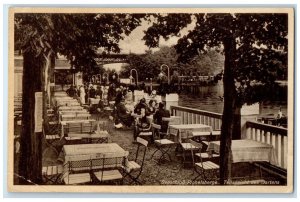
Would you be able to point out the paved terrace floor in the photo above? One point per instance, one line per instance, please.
(169, 173)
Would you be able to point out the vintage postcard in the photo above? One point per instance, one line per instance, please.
(142, 100)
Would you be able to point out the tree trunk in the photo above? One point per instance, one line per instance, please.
(229, 111)
(30, 142)
(236, 134)
(45, 84)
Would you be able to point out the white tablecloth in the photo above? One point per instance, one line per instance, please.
(248, 151)
(184, 130)
(90, 151)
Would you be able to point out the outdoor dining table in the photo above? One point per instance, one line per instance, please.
(183, 130)
(68, 103)
(90, 151)
(70, 108)
(60, 95)
(247, 150)
(94, 101)
(80, 111)
(64, 123)
(77, 121)
(67, 117)
(172, 120)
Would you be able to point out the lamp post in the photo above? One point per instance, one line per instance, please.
(161, 73)
(136, 73)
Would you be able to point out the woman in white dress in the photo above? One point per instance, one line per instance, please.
(82, 95)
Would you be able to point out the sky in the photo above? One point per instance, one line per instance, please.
(134, 43)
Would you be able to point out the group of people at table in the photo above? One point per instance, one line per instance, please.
(142, 115)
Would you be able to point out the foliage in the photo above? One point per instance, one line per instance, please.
(148, 65)
(254, 46)
(261, 43)
(76, 36)
(44, 35)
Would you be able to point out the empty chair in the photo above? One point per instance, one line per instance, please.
(50, 140)
(163, 145)
(51, 173)
(134, 168)
(77, 170)
(202, 168)
(108, 166)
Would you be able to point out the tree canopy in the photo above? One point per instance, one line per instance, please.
(254, 46)
(76, 36)
(148, 64)
(41, 37)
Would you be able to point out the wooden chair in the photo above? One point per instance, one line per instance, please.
(77, 170)
(134, 168)
(109, 165)
(163, 145)
(50, 140)
(145, 132)
(51, 173)
(186, 148)
(203, 166)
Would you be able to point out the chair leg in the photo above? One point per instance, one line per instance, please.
(133, 179)
(157, 149)
(165, 153)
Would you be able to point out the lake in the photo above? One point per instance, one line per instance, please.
(209, 99)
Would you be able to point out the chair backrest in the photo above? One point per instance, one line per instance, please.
(109, 161)
(79, 163)
(141, 143)
(156, 129)
(83, 116)
(68, 117)
(87, 127)
(102, 125)
(198, 149)
(83, 127)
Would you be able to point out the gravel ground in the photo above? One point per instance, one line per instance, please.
(166, 173)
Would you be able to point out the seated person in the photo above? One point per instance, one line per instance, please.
(140, 105)
(122, 115)
(92, 92)
(159, 114)
(152, 107)
(100, 106)
(99, 92)
(119, 97)
(142, 124)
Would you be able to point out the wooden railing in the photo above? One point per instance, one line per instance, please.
(195, 116)
(273, 135)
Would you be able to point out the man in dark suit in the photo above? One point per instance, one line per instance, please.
(159, 114)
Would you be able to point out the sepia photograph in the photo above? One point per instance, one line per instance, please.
(141, 100)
